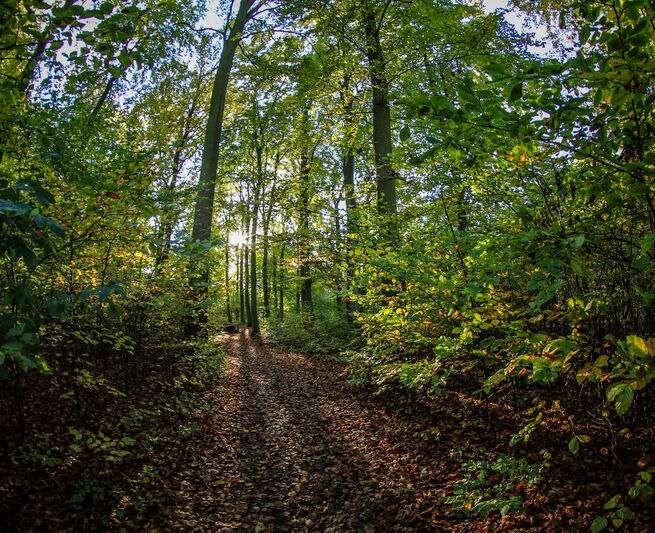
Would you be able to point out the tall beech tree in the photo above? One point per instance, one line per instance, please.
(204, 208)
(372, 18)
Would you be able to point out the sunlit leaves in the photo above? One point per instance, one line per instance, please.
(622, 395)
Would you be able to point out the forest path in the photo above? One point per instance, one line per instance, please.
(285, 445)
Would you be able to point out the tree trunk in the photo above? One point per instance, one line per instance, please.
(385, 174)
(204, 208)
(348, 174)
(228, 308)
(304, 270)
(304, 296)
(274, 281)
(266, 287)
(246, 279)
(254, 312)
(348, 170)
(281, 285)
(242, 294)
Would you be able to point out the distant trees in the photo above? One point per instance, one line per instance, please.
(204, 208)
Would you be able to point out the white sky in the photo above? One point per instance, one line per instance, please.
(521, 23)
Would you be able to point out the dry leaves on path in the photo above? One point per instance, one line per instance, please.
(284, 444)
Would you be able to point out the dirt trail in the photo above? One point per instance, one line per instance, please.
(286, 446)
(279, 442)
(283, 443)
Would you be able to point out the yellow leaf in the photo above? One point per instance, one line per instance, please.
(651, 346)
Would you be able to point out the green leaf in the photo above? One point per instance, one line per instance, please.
(495, 70)
(577, 267)
(636, 346)
(585, 32)
(56, 228)
(647, 243)
(516, 92)
(614, 391)
(577, 242)
(599, 523)
(612, 502)
(105, 8)
(622, 395)
(104, 293)
(625, 513)
(574, 445)
(125, 58)
(404, 133)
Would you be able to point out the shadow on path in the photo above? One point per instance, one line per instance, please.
(284, 445)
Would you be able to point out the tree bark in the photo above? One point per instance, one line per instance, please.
(266, 224)
(348, 176)
(274, 281)
(266, 287)
(242, 294)
(204, 207)
(382, 145)
(304, 271)
(254, 312)
(228, 307)
(281, 285)
(246, 284)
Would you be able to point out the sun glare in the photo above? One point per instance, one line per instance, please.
(237, 238)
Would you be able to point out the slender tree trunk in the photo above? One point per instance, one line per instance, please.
(348, 174)
(281, 285)
(265, 252)
(204, 208)
(104, 96)
(266, 288)
(304, 268)
(298, 289)
(246, 280)
(228, 307)
(254, 312)
(382, 145)
(351, 226)
(242, 293)
(274, 270)
(304, 271)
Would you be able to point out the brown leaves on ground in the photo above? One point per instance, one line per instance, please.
(280, 442)
(286, 445)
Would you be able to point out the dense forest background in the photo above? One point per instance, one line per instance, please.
(447, 203)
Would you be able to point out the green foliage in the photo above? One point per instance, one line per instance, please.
(325, 330)
(494, 486)
(523, 256)
(618, 511)
(366, 367)
(27, 236)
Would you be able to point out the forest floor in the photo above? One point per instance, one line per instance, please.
(279, 441)
(285, 444)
